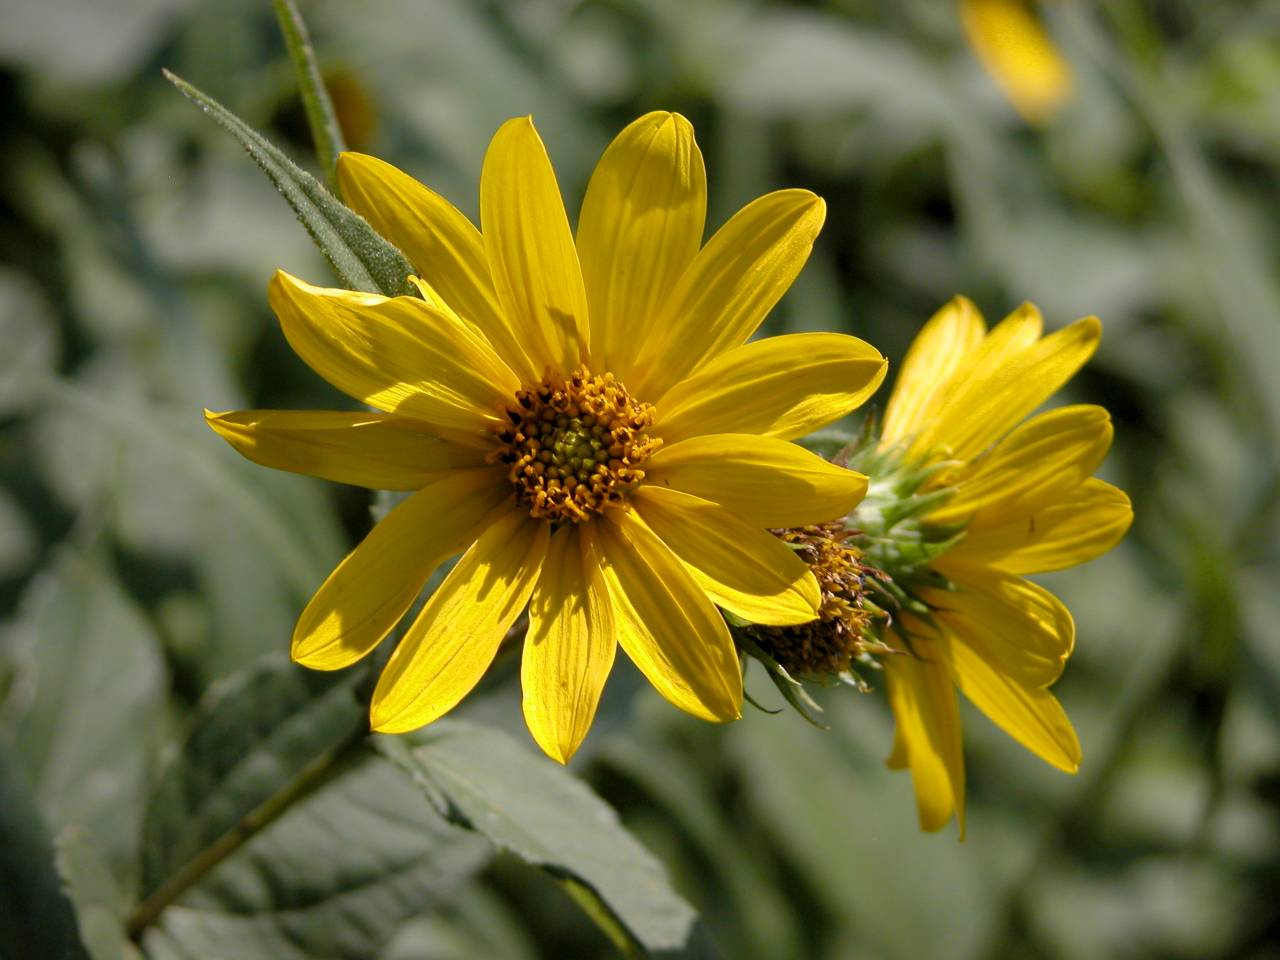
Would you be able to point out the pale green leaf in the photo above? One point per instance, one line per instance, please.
(335, 878)
(27, 328)
(482, 779)
(98, 904)
(252, 736)
(35, 917)
(90, 701)
(758, 919)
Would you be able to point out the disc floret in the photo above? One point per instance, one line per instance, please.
(575, 445)
(843, 635)
(870, 566)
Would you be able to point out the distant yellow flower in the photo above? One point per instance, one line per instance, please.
(1026, 502)
(1012, 44)
(584, 421)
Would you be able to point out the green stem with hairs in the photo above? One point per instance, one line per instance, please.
(326, 134)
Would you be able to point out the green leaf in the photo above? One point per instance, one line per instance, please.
(478, 922)
(253, 735)
(91, 701)
(35, 918)
(335, 878)
(88, 882)
(28, 328)
(106, 46)
(222, 481)
(363, 259)
(793, 62)
(325, 132)
(849, 828)
(483, 780)
(756, 917)
(273, 834)
(1227, 250)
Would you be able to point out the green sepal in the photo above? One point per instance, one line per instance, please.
(900, 557)
(362, 258)
(916, 505)
(772, 711)
(792, 690)
(912, 479)
(831, 443)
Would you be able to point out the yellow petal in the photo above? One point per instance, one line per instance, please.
(729, 288)
(372, 588)
(435, 299)
(640, 227)
(1003, 386)
(1019, 55)
(1016, 333)
(928, 729)
(768, 482)
(378, 450)
(455, 637)
(1018, 626)
(898, 758)
(665, 622)
(780, 387)
(1019, 330)
(1039, 462)
(981, 359)
(532, 258)
(1030, 715)
(1008, 339)
(398, 354)
(1086, 523)
(937, 352)
(442, 244)
(569, 649)
(742, 568)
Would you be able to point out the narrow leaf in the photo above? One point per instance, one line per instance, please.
(325, 132)
(363, 259)
(481, 779)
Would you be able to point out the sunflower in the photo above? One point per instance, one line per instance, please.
(1012, 44)
(582, 418)
(1003, 496)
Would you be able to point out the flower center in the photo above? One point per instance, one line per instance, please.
(575, 445)
(842, 635)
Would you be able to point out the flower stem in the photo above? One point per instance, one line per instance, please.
(312, 776)
(326, 134)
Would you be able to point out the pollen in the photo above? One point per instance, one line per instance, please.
(841, 636)
(574, 446)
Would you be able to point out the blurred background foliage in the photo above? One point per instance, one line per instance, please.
(141, 561)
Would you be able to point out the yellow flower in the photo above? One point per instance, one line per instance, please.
(1025, 499)
(1018, 54)
(582, 419)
